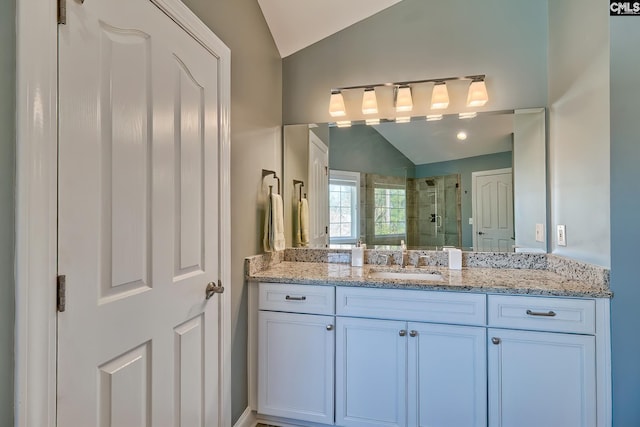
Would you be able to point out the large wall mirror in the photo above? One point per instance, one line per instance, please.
(475, 183)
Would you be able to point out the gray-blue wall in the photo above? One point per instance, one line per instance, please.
(7, 206)
(362, 149)
(464, 167)
(625, 212)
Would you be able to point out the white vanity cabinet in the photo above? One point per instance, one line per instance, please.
(395, 366)
(296, 347)
(542, 371)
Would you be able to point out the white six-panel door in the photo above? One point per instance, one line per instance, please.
(493, 210)
(138, 344)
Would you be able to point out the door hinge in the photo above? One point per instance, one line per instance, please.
(62, 12)
(326, 230)
(61, 297)
(326, 171)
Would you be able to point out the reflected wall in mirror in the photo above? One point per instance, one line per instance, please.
(419, 182)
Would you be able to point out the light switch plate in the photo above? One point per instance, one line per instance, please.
(539, 232)
(562, 236)
(470, 221)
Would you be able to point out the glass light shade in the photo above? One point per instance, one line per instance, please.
(467, 115)
(477, 95)
(434, 117)
(406, 119)
(372, 122)
(439, 96)
(336, 105)
(403, 99)
(369, 102)
(344, 124)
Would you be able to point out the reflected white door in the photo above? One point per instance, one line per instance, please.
(493, 210)
(138, 344)
(318, 192)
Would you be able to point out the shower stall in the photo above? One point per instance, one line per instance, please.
(433, 211)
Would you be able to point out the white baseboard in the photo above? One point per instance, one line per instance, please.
(247, 419)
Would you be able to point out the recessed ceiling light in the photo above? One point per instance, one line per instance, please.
(462, 135)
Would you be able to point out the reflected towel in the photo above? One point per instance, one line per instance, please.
(303, 214)
(274, 225)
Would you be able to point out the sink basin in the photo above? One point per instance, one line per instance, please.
(405, 275)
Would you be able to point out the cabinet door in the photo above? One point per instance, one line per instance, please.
(296, 366)
(370, 372)
(447, 375)
(541, 379)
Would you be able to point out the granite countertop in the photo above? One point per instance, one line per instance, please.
(489, 280)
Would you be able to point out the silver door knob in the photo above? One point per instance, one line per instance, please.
(212, 288)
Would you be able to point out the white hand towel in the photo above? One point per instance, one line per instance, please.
(303, 210)
(278, 242)
(268, 226)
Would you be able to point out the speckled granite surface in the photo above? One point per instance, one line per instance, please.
(513, 273)
(490, 280)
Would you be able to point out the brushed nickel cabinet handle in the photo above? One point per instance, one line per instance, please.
(541, 313)
(290, 298)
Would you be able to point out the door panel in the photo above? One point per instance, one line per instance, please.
(125, 392)
(493, 211)
(138, 122)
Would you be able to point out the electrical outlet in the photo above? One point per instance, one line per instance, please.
(562, 236)
(539, 232)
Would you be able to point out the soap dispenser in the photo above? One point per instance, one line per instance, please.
(357, 255)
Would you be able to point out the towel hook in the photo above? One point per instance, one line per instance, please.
(296, 182)
(266, 172)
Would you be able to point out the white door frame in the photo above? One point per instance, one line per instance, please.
(36, 205)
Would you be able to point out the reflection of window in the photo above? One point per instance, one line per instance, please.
(344, 188)
(390, 210)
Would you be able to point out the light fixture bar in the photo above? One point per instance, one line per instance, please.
(410, 82)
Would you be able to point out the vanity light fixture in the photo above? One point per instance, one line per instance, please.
(403, 99)
(405, 119)
(403, 95)
(343, 123)
(369, 101)
(477, 95)
(439, 96)
(336, 105)
(470, 115)
(371, 122)
(434, 117)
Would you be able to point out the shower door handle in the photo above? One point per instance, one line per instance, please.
(438, 220)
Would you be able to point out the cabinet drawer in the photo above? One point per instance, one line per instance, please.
(297, 298)
(543, 314)
(412, 305)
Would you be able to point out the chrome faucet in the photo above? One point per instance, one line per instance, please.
(404, 255)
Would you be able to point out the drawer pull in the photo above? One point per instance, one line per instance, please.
(541, 313)
(413, 333)
(495, 340)
(290, 298)
(329, 327)
(402, 332)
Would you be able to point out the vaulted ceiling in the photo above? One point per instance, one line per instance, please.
(296, 24)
